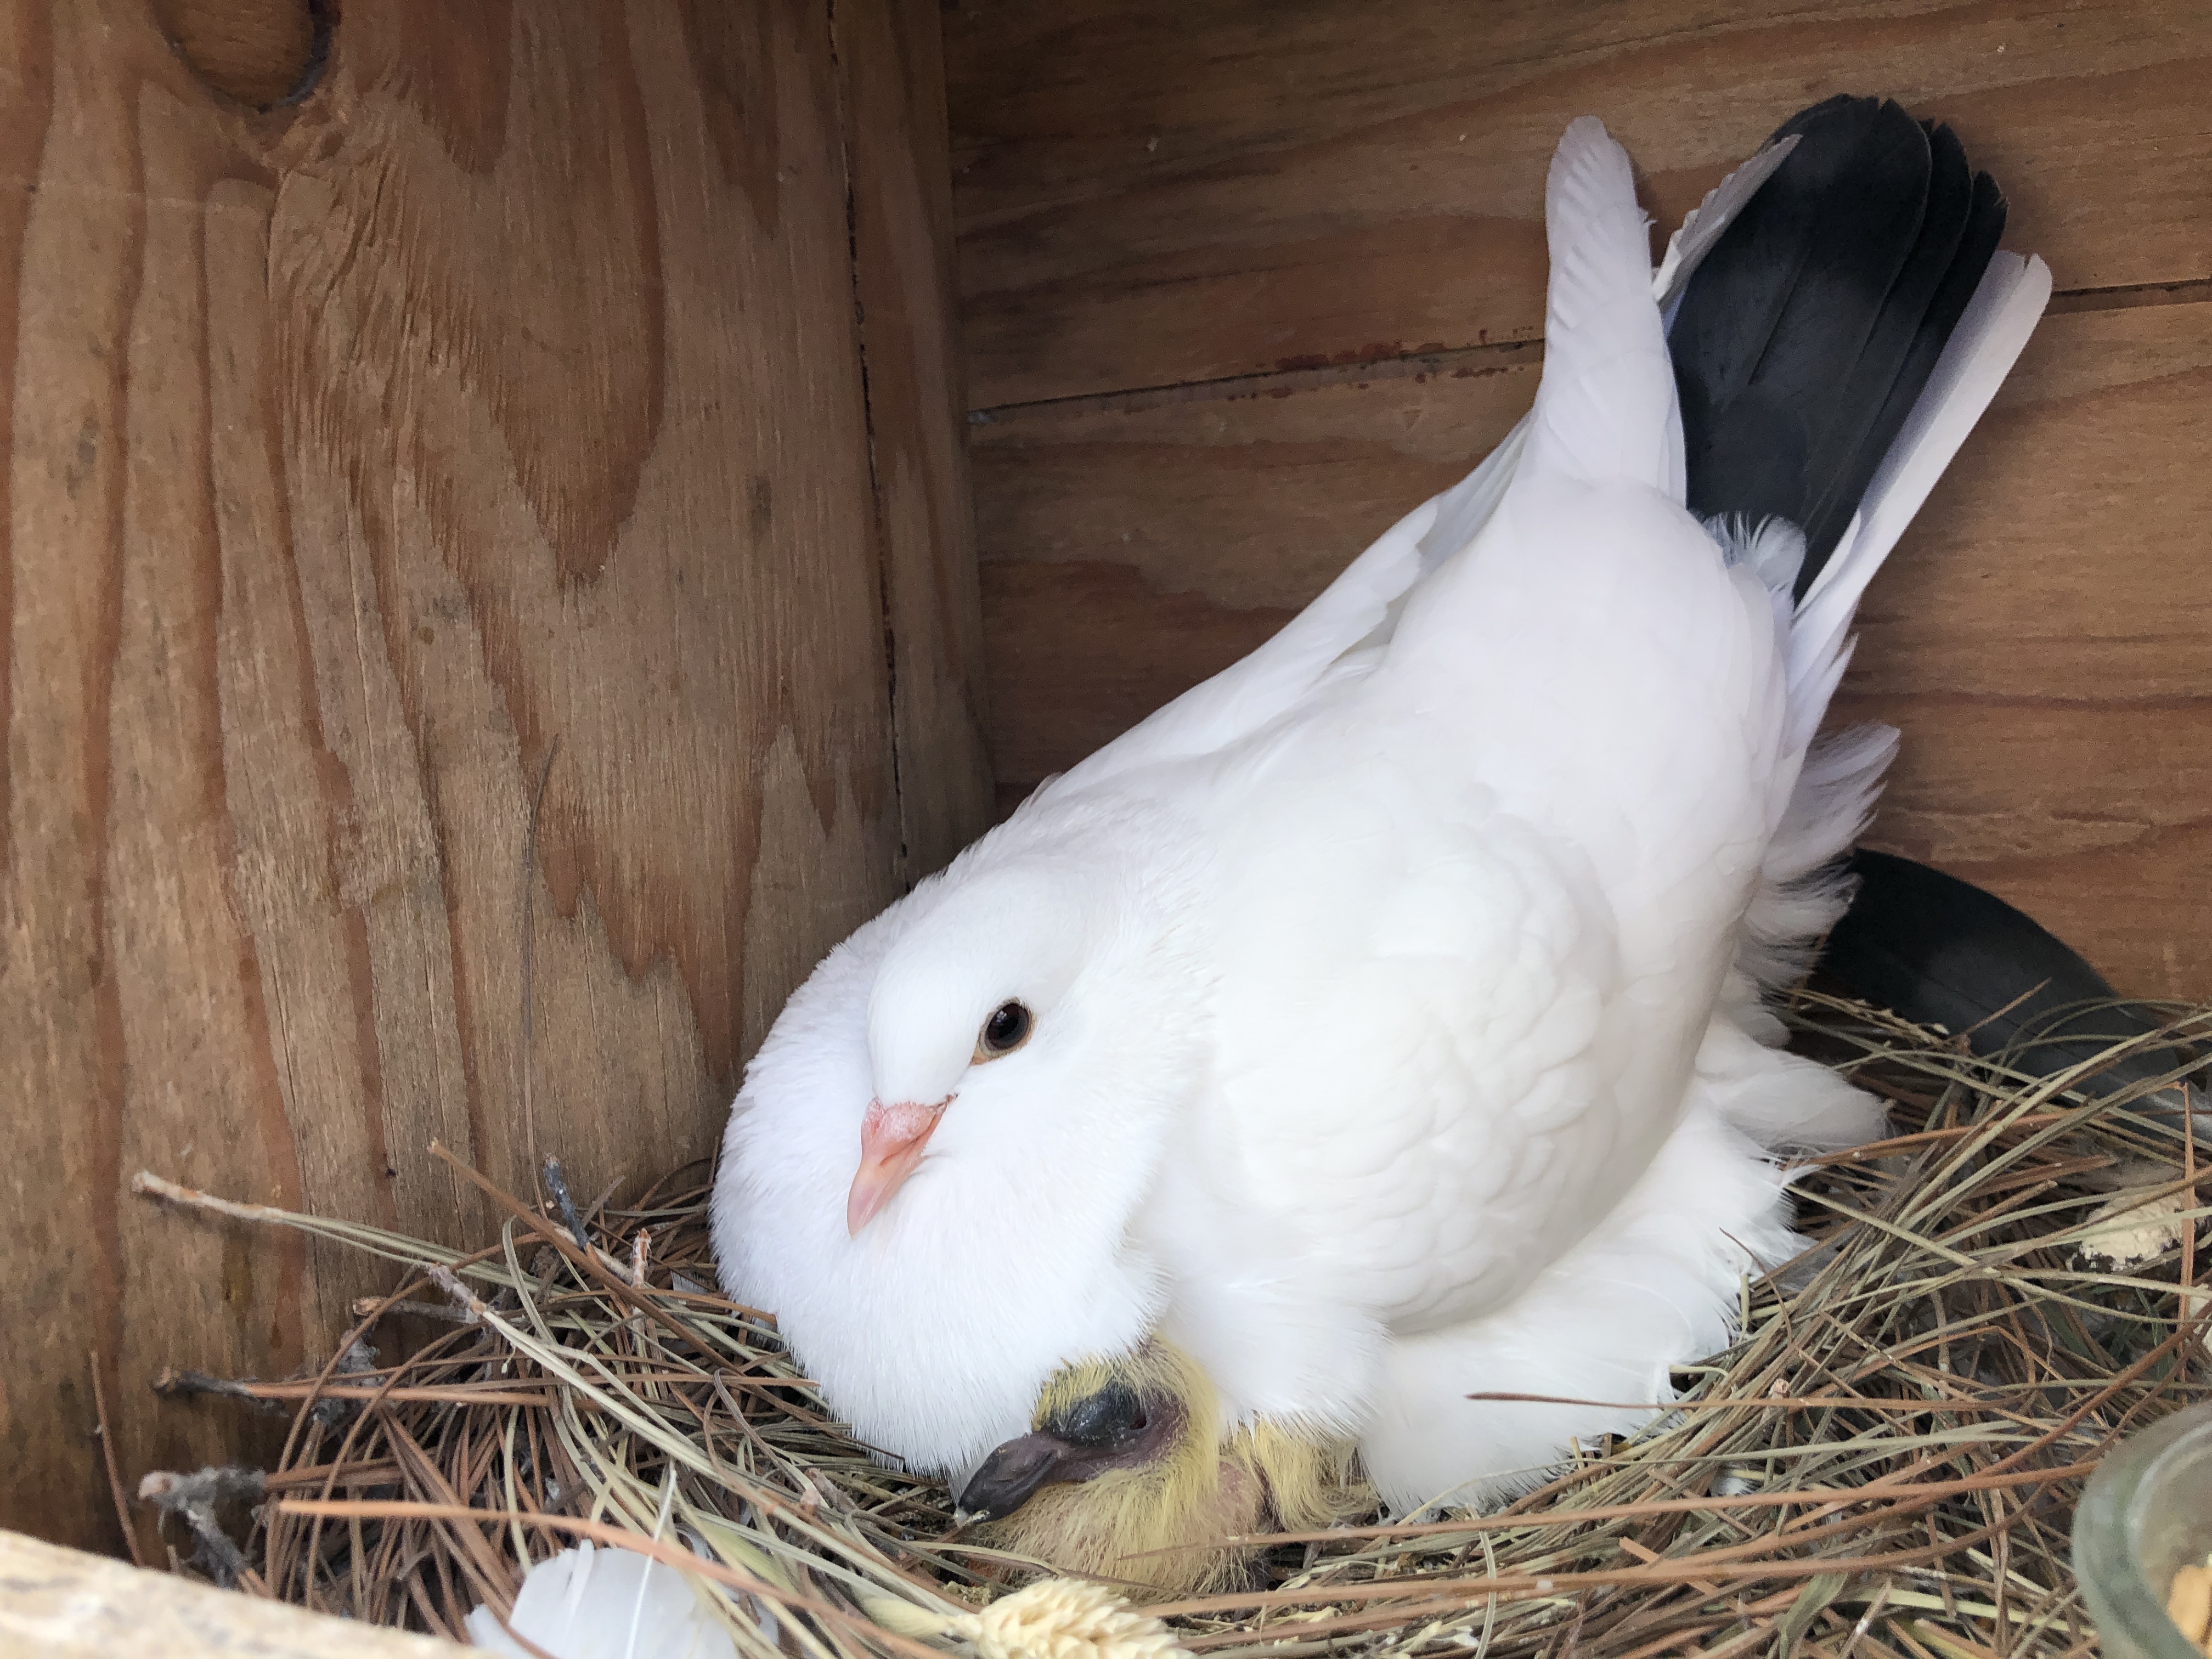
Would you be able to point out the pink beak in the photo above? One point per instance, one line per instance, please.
(891, 1142)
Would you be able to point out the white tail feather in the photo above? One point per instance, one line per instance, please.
(1981, 352)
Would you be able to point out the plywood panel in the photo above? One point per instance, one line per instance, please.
(2045, 644)
(505, 406)
(2043, 636)
(891, 54)
(1153, 194)
(1131, 551)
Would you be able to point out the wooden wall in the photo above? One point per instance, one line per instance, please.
(1243, 280)
(553, 372)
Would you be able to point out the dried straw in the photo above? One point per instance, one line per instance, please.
(1884, 1465)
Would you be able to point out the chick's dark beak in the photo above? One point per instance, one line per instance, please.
(1011, 1475)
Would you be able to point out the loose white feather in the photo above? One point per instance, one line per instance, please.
(591, 1603)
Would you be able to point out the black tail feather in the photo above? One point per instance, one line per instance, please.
(1867, 392)
(1805, 337)
(1941, 952)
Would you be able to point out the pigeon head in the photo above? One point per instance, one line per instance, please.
(985, 1024)
(1127, 1474)
(934, 1164)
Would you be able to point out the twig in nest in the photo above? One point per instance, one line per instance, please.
(556, 1182)
(147, 1184)
(107, 1457)
(176, 1382)
(364, 1306)
(329, 1407)
(466, 1301)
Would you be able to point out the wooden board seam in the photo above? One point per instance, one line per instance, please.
(1464, 362)
(883, 607)
(2127, 296)
(1476, 359)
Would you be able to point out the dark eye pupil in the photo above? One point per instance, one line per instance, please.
(1007, 1027)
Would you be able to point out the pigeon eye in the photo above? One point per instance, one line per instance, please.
(1007, 1029)
(1102, 1419)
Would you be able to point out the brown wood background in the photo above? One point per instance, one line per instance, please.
(1243, 280)
(559, 372)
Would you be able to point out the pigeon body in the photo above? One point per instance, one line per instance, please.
(1378, 1024)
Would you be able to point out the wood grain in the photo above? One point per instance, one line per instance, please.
(2043, 637)
(258, 52)
(507, 403)
(2045, 644)
(1130, 551)
(893, 56)
(1153, 194)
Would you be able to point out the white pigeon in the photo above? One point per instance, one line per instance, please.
(1378, 1024)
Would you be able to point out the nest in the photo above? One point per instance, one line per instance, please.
(1885, 1464)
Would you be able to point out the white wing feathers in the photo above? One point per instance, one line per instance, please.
(1604, 408)
(1245, 696)
(1361, 606)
